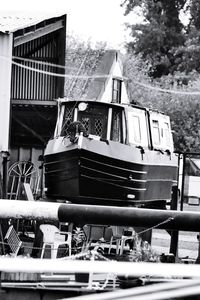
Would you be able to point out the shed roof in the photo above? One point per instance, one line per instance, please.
(11, 22)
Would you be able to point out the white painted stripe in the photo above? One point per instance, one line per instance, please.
(115, 184)
(116, 167)
(111, 174)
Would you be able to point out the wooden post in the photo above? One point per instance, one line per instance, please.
(5, 156)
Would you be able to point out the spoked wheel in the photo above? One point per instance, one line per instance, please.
(19, 173)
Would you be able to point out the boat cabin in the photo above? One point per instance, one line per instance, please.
(127, 124)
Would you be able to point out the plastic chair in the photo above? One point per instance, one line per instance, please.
(117, 232)
(94, 232)
(126, 238)
(120, 239)
(53, 237)
(96, 235)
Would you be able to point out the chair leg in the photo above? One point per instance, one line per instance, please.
(54, 250)
(111, 241)
(70, 250)
(43, 248)
(118, 245)
(122, 246)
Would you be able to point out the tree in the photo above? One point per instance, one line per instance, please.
(188, 56)
(81, 59)
(158, 35)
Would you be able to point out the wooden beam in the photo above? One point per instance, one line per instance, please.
(19, 40)
(28, 191)
(34, 102)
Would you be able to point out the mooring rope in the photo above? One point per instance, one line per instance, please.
(157, 225)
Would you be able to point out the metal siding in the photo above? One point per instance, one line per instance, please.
(6, 42)
(30, 85)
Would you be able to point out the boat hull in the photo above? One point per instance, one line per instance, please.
(99, 172)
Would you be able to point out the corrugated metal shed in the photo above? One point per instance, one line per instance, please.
(36, 38)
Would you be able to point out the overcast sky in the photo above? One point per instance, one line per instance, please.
(100, 20)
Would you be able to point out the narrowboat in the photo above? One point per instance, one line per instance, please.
(110, 154)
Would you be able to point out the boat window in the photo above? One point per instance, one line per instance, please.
(94, 119)
(116, 90)
(155, 132)
(116, 128)
(167, 134)
(161, 131)
(136, 129)
(67, 118)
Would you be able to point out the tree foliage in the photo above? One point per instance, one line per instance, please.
(194, 7)
(158, 35)
(184, 110)
(162, 39)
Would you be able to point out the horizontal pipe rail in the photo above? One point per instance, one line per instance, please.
(129, 216)
(61, 266)
(30, 210)
(102, 215)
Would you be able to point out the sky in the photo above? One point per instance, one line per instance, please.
(98, 20)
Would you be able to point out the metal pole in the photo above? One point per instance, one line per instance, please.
(175, 233)
(129, 216)
(183, 181)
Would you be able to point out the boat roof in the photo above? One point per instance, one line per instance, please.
(63, 101)
(109, 104)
